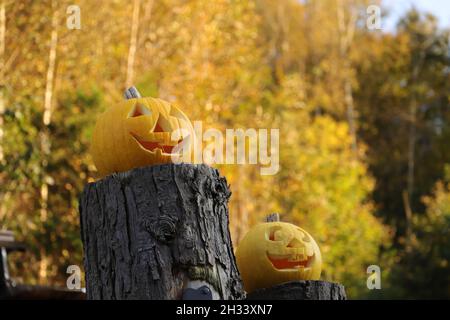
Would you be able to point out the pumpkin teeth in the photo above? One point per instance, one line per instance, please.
(289, 262)
(156, 143)
(163, 137)
(297, 257)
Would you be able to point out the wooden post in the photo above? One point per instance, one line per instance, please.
(159, 232)
(301, 290)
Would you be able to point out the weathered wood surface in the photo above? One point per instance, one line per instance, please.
(29, 292)
(149, 231)
(301, 290)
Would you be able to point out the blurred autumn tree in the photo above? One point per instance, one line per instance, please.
(403, 101)
(363, 116)
(404, 112)
(422, 270)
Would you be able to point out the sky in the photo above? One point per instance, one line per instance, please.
(397, 8)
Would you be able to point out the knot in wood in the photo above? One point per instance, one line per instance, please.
(220, 189)
(165, 229)
(188, 237)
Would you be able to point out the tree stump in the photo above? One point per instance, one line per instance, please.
(158, 232)
(301, 290)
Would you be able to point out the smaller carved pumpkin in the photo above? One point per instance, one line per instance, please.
(275, 252)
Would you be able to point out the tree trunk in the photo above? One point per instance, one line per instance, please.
(156, 233)
(47, 115)
(301, 290)
(133, 43)
(45, 135)
(346, 32)
(2, 75)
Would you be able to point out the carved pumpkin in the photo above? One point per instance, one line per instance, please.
(138, 132)
(275, 252)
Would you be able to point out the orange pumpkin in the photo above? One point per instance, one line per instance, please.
(275, 252)
(140, 132)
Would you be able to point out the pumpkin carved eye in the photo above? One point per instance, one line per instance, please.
(271, 234)
(139, 110)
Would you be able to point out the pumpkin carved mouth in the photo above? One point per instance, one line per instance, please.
(296, 258)
(158, 138)
(161, 140)
(287, 262)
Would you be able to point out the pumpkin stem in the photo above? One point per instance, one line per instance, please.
(273, 217)
(132, 93)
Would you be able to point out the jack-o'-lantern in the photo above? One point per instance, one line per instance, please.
(275, 252)
(139, 132)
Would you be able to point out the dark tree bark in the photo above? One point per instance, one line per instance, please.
(301, 290)
(151, 232)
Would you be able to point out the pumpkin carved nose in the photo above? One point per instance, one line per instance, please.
(295, 244)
